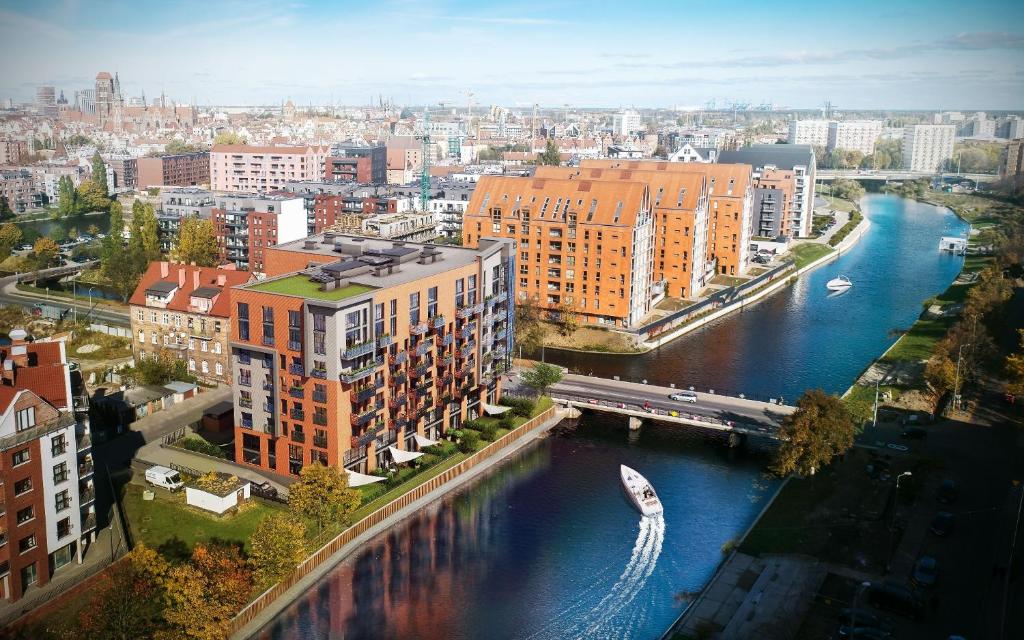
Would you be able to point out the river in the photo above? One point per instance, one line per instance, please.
(546, 546)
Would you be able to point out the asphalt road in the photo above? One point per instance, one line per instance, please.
(9, 295)
(725, 408)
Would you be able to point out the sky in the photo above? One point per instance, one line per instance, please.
(870, 54)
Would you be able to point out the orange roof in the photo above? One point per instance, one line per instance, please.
(670, 184)
(594, 202)
(44, 375)
(183, 294)
(718, 174)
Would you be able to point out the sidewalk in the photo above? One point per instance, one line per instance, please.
(161, 455)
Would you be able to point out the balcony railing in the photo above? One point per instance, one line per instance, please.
(245, 402)
(320, 442)
(467, 350)
(447, 360)
(319, 373)
(247, 423)
(418, 329)
(85, 469)
(364, 394)
(296, 368)
(353, 455)
(296, 392)
(84, 442)
(437, 322)
(294, 346)
(399, 358)
(319, 397)
(384, 341)
(298, 436)
(399, 378)
(295, 414)
(89, 523)
(349, 377)
(397, 402)
(420, 371)
(423, 348)
(359, 420)
(354, 351)
(500, 334)
(445, 340)
(320, 419)
(86, 496)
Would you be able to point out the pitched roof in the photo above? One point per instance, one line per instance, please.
(668, 183)
(783, 156)
(594, 201)
(45, 374)
(717, 173)
(154, 280)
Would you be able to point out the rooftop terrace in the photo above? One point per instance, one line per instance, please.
(302, 286)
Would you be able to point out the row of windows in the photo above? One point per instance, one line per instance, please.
(168, 319)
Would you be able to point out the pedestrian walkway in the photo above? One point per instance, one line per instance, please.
(155, 453)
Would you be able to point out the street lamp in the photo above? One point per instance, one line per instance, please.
(892, 523)
(874, 413)
(956, 380)
(853, 611)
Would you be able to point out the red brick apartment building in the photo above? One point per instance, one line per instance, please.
(182, 170)
(47, 494)
(352, 346)
(246, 226)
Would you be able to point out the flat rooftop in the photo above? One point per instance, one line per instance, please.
(300, 284)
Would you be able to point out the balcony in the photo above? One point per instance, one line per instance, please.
(445, 340)
(399, 358)
(360, 419)
(296, 392)
(445, 361)
(319, 373)
(354, 351)
(297, 369)
(86, 496)
(398, 379)
(362, 373)
(418, 329)
(437, 322)
(319, 397)
(245, 402)
(420, 371)
(467, 350)
(320, 419)
(298, 436)
(268, 385)
(498, 353)
(320, 441)
(89, 523)
(364, 394)
(268, 407)
(423, 347)
(85, 469)
(424, 390)
(353, 455)
(500, 334)
(294, 346)
(84, 442)
(384, 341)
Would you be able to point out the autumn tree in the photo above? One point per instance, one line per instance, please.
(820, 429)
(67, 197)
(93, 230)
(228, 137)
(10, 237)
(277, 547)
(204, 593)
(5, 209)
(128, 601)
(1015, 368)
(529, 327)
(940, 374)
(99, 173)
(45, 252)
(322, 493)
(196, 243)
(541, 376)
(568, 321)
(90, 197)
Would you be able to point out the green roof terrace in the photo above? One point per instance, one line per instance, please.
(300, 285)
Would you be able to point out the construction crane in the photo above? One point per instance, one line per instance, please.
(425, 161)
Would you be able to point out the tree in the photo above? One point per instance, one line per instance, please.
(99, 173)
(847, 190)
(93, 230)
(276, 548)
(115, 263)
(940, 374)
(206, 592)
(10, 237)
(177, 146)
(322, 493)
(228, 137)
(541, 376)
(67, 197)
(196, 243)
(5, 209)
(820, 429)
(567, 320)
(156, 370)
(1015, 368)
(45, 252)
(144, 244)
(128, 601)
(90, 197)
(550, 155)
(529, 329)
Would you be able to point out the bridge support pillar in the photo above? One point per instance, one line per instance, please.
(736, 440)
(634, 423)
(572, 412)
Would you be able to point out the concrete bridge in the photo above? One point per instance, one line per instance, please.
(56, 272)
(731, 414)
(827, 175)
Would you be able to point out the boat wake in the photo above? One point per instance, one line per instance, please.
(611, 617)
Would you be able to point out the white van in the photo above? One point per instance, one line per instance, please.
(164, 477)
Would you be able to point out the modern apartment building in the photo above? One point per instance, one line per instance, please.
(47, 492)
(773, 195)
(365, 165)
(19, 189)
(809, 132)
(184, 311)
(180, 170)
(177, 204)
(246, 225)
(1012, 165)
(854, 135)
(248, 169)
(585, 246)
(927, 147)
(798, 159)
(626, 123)
(352, 346)
(13, 152)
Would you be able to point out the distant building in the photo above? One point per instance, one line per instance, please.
(246, 168)
(19, 189)
(690, 153)
(105, 98)
(247, 225)
(366, 165)
(797, 159)
(1010, 128)
(809, 132)
(626, 123)
(180, 170)
(125, 172)
(47, 492)
(185, 311)
(46, 101)
(927, 147)
(854, 135)
(13, 152)
(1013, 160)
(178, 204)
(404, 159)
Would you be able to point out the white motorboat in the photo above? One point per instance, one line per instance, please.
(839, 283)
(640, 492)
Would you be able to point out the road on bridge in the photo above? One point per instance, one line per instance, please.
(9, 295)
(760, 416)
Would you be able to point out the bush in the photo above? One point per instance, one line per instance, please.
(442, 449)
(475, 425)
(489, 432)
(197, 444)
(507, 422)
(522, 407)
(470, 441)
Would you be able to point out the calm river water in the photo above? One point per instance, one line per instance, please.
(546, 546)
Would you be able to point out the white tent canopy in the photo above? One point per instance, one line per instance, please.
(424, 441)
(495, 410)
(400, 456)
(356, 479)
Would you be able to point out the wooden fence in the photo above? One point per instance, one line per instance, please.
(246, 615)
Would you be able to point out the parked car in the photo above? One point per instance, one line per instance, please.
(863, 618)
(926, 572)
(896, 598)
(684, 396)
(948, 492)
(914, 433)
(942, 524)
(263, 489)
(164, 477)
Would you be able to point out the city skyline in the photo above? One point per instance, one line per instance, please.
(878, 57)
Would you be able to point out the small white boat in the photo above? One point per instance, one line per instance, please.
(839, 283)
(640, 492)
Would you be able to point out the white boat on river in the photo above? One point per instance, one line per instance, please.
(839, 283)
(640, 492)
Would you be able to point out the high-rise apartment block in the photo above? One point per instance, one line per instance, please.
(365, 165)
(810, 132)
(179, 170)
(46, 101)
(799, 160)
(927, 147)
(352, 346)
(1012, 165)
(626, 123)
(247, 225)
(47, 492)
(854, 135)
(249, 169)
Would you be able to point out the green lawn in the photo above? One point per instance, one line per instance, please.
(839, 204)
(300, 285)
(167, 517)
(807, 252)
(918, 343)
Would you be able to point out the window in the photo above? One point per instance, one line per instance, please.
(25, 419)
(378, 319)
(431, 302)
(27, 544)
(60, 473)
(23, 486)
(21, 457)
(268, 326)
(142, 336)
(63, 530)
(191, 364)
(58, 445)
(203, 346)
(243, 321)
(319, 334)
(26, 514)
(62, 500)
(29, 575)
(206, 367)
(414, 308)
(216, 348)
(219, 368)
(140, 315)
